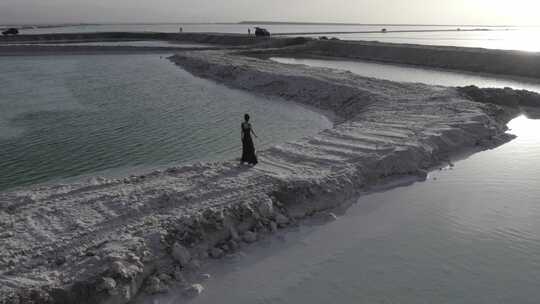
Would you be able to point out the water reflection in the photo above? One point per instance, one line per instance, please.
(527, 129)
(404, 73)
(67, 116)
(510, 38)
(469, 234)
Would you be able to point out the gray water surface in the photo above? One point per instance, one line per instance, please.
(492, 37)
(68, 116)
(404, 73)
(469, 234)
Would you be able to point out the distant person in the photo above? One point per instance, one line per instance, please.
(249, 32)
(248, 149)
(181, 29)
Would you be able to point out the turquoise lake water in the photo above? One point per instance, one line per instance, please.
(62, 117)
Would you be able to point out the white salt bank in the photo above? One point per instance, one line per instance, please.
(469, 234)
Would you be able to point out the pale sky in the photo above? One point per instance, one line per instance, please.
(483, 12)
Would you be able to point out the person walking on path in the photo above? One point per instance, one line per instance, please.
(248, 148)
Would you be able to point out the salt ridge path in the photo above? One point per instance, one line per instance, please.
(96, 242)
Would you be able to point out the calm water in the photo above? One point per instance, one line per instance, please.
(512, 38)
(524, 39)
(470, 234)
(66, 116)
(403, 73)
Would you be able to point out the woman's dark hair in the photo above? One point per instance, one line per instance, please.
(246, 117)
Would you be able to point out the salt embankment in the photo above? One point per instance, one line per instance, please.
(204, 38)
(106, 240)
(53, 50)
(44, 44)
(501, 62)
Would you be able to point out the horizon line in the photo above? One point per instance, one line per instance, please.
(250, 22)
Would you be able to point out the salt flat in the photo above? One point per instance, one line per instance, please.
(96, 242)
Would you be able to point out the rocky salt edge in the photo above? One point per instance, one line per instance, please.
(109, 240)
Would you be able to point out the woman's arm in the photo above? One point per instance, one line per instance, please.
(252, 131)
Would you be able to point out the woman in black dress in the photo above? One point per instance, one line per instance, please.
(248, 149)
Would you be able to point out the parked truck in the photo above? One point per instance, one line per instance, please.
(262, 32)
(10, 31)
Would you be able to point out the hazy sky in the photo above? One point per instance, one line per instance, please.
(517, 12)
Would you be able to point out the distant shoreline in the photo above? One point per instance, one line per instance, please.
(374, 24)
(249, 22)
(492, 61)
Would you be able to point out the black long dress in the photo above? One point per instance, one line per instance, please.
(248, 149)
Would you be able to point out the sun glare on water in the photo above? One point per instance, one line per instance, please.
(525, 127)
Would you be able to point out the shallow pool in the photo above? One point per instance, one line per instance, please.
(404, 73)
(70, 116)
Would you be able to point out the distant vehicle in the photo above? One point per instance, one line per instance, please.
(383, 30)
(11, 31)
(262, 32)
(323, 38)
